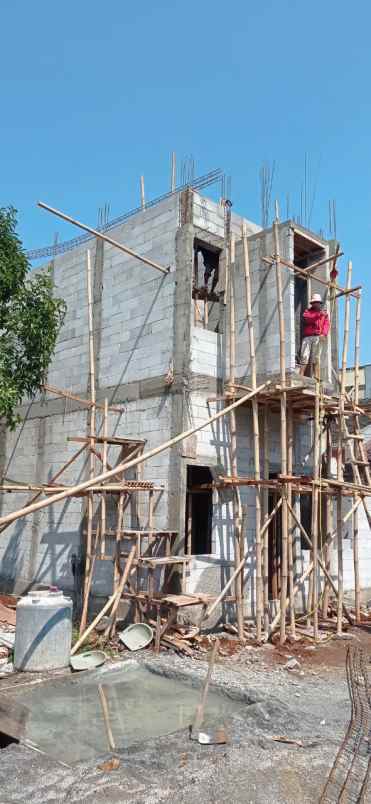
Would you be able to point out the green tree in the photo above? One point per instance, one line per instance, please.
(30, 319)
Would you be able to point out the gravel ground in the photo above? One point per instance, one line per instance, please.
(308, 703)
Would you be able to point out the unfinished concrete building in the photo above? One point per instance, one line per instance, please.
(171, 349)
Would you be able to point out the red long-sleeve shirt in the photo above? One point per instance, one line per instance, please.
(315, 323)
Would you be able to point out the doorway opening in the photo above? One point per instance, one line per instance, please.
(199, 511)
(306, 253)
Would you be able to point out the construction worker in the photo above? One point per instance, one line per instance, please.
(316, 325)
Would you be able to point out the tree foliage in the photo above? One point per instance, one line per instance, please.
(30, 319)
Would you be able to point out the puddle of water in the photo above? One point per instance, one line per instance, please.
(66, 719)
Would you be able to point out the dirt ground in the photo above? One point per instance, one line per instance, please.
(297, 692)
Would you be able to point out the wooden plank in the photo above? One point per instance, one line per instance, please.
(109, 440)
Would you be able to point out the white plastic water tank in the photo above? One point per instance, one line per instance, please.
(43, 631)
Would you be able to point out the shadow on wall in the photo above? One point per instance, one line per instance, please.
(137, 340)
(12, 561)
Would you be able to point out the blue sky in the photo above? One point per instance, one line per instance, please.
(93, 95)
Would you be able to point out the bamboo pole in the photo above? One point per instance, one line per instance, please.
(112, 601)
(315, 508)
(122, 467)
(104, 237)
(103, 504)
(92, 429)
(328, 284)
(40, 489)
(237, 512)
(266, 518)
(283, 431)
(271, 517)
(357, 591)
(340, 562)
(290, 555)
(142, 193)
(111, 627)
(86, 402)
(357, 343)
(200, 711)
(173, 172)
(105, 710)
(256, 437)
(329, 522)
(340, 451)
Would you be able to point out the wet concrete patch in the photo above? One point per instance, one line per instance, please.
(65, 718)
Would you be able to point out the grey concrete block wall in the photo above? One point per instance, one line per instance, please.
(142, 328)
(209, 215)
(264, 306)
(133, 339)
(39, 548)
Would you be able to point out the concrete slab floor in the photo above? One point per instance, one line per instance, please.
(310, 705)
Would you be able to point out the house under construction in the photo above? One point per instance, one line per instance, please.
(175, 458)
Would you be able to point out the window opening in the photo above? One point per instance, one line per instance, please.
(205, 292)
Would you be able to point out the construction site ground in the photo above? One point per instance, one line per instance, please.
(297, 692)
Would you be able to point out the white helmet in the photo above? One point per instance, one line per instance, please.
(316, 297)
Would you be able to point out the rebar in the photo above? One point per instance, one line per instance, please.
(348, 781)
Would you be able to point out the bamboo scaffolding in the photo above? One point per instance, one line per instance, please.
(283, 431)
(321, 564)
(275, 622)
(259, 602)
(242, 563)
(55, 477)
(320, 263)
(302, 272)
(104, 237)
(125, 465)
